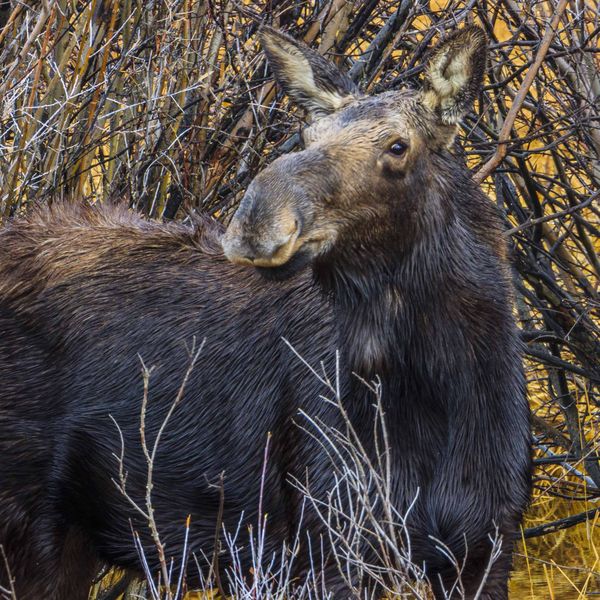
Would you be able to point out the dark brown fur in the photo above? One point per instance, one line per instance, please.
(408, 280)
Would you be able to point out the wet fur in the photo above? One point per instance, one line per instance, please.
(84, 293)
(413, 286)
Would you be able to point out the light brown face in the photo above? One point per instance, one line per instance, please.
(362, 155)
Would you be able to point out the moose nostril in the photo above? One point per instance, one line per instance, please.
(238, 249)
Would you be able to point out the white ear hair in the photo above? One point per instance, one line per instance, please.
(454, 74)
(309, 79)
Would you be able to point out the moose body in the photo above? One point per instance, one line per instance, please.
(408, 280)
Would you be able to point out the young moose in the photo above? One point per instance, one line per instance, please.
(409, 280)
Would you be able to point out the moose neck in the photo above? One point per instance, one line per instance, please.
(372, 308)
(394, 297)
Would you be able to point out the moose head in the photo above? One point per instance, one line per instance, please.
(366, 162)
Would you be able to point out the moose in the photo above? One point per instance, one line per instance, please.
(371, 240)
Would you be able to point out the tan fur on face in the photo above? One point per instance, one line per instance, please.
(360, 152)
(394, 120)
(366, 140)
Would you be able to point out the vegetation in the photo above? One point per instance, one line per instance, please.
(168, 105)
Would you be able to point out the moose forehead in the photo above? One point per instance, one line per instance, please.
(376, 118)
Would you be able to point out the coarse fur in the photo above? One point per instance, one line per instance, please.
(409, 280)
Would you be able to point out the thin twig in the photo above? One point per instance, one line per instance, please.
(505, 132)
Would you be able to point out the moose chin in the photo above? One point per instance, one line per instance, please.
(383, 249)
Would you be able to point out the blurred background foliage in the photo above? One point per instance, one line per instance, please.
(168, 105)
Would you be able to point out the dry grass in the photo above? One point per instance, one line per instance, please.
(168, 106)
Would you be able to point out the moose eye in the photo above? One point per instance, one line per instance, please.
(398, 148)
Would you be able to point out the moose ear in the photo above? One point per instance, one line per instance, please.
(306, 77)
(454, 74)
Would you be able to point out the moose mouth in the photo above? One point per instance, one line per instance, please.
(298, 262)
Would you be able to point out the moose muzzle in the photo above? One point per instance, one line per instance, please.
(267, 228)
(260, 236)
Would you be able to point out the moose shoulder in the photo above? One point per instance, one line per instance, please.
(407, 279)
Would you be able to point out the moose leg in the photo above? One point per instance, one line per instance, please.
(493, 587)
(78, 566)
(50, 569)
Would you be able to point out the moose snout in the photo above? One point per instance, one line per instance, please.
(261, 244)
